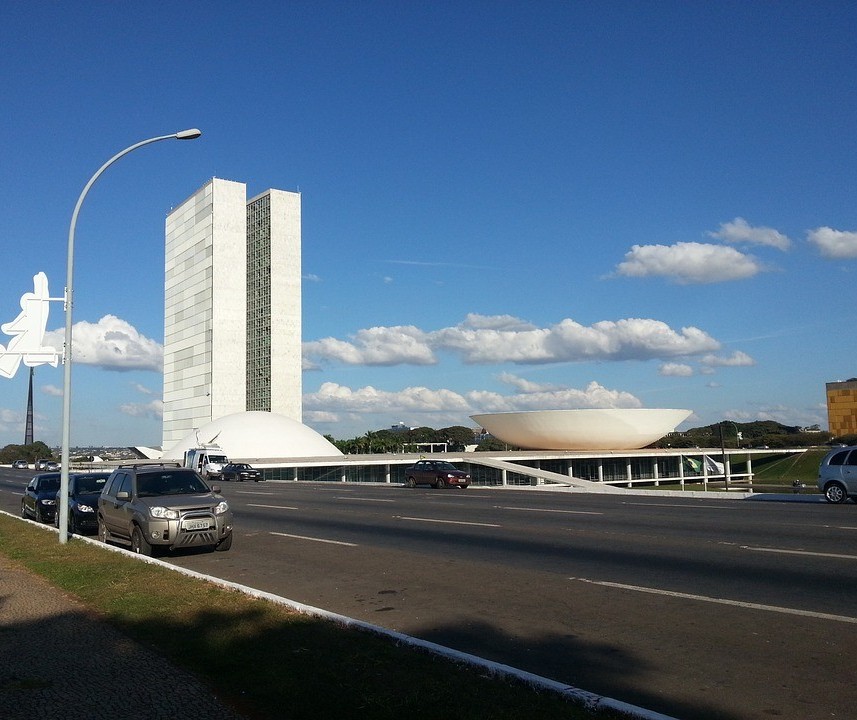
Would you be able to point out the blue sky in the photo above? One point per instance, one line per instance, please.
(506, 205)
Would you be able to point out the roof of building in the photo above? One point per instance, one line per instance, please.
(583, 429)
(257, 435)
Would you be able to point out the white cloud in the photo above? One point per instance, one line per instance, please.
(739, 231)
(333, 399)
(675, 370)
(111, 343)
(311, 277)
(505, 339)
(52, 390)
(688, 263)
(376, 346)
(526, 386)
(154, 409)
(834, 244)
(736, 359)
(142, 389)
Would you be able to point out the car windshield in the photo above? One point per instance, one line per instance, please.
(170, 483)
(89, 483)
(217, 458)
(49, 484)
(241, 466)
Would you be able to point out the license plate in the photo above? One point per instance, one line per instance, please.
(195, 524)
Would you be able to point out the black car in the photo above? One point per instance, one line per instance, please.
(437, 473)
(241, 472)
(40, 498)
(84, 489)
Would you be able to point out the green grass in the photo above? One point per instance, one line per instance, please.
(266, 660)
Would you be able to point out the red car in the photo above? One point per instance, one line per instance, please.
(437, 473)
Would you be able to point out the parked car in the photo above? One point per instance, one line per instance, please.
(84, 489)
(40, 497)
(837, 474)
(40, 464)
(437, 473)
(20, 464)
(154, 507)
(52, 466)
(241, 472)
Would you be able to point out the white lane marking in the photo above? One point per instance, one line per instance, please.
(273, 507)
(363, 499)
(799, 552)
(721, 601)
(252, 492)
(839, 527)
(702, 506)
(445, 522)
(548, 510)
(321, 540)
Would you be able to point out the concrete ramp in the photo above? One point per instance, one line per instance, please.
(546, 476)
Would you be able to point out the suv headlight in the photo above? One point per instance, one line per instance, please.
(221, 508)
(85, 508)
(162, 512)
(48, 502)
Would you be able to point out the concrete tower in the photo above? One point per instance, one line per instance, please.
(232, 330)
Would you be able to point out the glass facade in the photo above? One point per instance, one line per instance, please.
(259, 304)
(643, 470)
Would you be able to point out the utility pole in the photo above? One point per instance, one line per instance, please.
(28, 430)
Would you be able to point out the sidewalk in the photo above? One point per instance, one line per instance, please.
(57, 659)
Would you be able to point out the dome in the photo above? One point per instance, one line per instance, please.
(588, 429)
(257, 436)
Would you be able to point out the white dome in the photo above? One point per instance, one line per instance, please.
(257, 436)
(588, 429)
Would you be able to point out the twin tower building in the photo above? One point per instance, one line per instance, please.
(232, 307)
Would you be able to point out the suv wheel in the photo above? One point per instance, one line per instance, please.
(102, 531)
(835, 493)
(139, 544)
(23, 510)
(224, 544)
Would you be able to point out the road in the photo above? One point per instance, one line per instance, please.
(697, 608)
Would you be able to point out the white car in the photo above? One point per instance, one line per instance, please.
(837, 474)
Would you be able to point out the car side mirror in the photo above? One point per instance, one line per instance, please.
(123, 495)
(215, 489)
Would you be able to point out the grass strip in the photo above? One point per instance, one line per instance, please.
(266, 660)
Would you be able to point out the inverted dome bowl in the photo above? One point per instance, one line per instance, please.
(586, 429)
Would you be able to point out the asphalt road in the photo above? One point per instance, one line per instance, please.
(697, 608)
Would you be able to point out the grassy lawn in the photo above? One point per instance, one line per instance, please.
(266, 660)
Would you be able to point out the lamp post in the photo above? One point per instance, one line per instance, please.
(62, 498)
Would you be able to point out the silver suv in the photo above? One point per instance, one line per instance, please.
(837, 474)
(162, 507)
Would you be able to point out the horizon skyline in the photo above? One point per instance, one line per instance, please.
(503, 207)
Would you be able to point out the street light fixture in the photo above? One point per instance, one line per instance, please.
(62, 498)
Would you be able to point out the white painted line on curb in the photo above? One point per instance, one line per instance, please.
(313, 539)
(720, 601)
(445, 522)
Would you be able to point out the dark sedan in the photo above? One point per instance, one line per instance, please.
(84, 489)
(437, 473)
(241, 472)
(40, 498)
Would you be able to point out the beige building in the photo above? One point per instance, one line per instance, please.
(842, 407)
(232, 307)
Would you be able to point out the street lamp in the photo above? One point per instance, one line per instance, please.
(62, 498)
